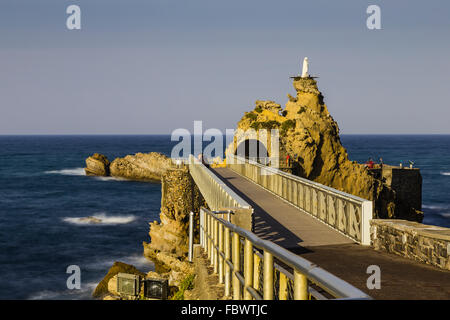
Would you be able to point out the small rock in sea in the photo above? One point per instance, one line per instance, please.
(91, 220)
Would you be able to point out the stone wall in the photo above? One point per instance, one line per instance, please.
(420, 242)
(406, 182)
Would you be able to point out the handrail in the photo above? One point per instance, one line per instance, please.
(317, 185)
(344, 212)
(224, 252)
(216, 193)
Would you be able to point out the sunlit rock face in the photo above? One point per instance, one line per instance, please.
(179, 197)
(309, 135)
(140, 166)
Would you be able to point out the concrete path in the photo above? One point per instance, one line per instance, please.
(289, 227)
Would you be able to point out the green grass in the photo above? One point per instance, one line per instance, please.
(186, 284)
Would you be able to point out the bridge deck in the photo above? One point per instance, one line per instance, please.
(289, 227)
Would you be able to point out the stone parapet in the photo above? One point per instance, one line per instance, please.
(420, 242)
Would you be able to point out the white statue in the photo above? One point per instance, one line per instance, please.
(305, 68)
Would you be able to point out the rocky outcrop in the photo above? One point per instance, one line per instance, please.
(180, 196)
(97, 165)
(141, 166)
(310, 136)
(169, 237)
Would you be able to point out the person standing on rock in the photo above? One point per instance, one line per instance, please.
(370, 163)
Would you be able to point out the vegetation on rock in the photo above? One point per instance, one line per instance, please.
(310, 136)
(186, 284)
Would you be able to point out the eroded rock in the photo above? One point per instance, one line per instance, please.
(310, 137)
(97, 165)
(179, 197)
(141, 166)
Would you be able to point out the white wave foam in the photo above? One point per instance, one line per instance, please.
(110, 178)
(433, 207)
(84, 293)
(100, 219)
(445, 173)
(68, 172)
(139, 261)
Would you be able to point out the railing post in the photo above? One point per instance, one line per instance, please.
(300, 286)
(248, 268)
(227, 258)
(236, 266)
(191, 235)
(221, 260)
(213, 243)
(256, 271)
(268, 276)
(283, 287)
(366, 216)
(208, 238)
(201, 228)
(216, 246)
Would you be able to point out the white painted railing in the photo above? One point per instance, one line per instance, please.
(216, 193)
(344, 212)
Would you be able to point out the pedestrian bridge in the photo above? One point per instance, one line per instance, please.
(273, 235)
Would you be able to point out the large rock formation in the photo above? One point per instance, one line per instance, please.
(141, 166)
(310, 136)
(180, 196)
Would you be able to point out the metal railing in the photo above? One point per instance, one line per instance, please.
(344, 212)
(216, 193)
(251, 268)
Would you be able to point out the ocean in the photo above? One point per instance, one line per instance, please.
(44, 193)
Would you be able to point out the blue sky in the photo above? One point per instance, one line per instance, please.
(145, 67)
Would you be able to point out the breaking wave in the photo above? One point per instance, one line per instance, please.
(432, 207)
(445, 173)
(109, 178)
(137, 260)
(100, 219)
(68, 172)
(85, 293)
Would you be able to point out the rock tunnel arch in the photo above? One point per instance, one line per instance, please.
(252, 149)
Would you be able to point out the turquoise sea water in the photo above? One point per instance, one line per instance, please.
(44, 192)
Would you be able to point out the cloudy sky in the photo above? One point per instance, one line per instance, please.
(147, 67)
